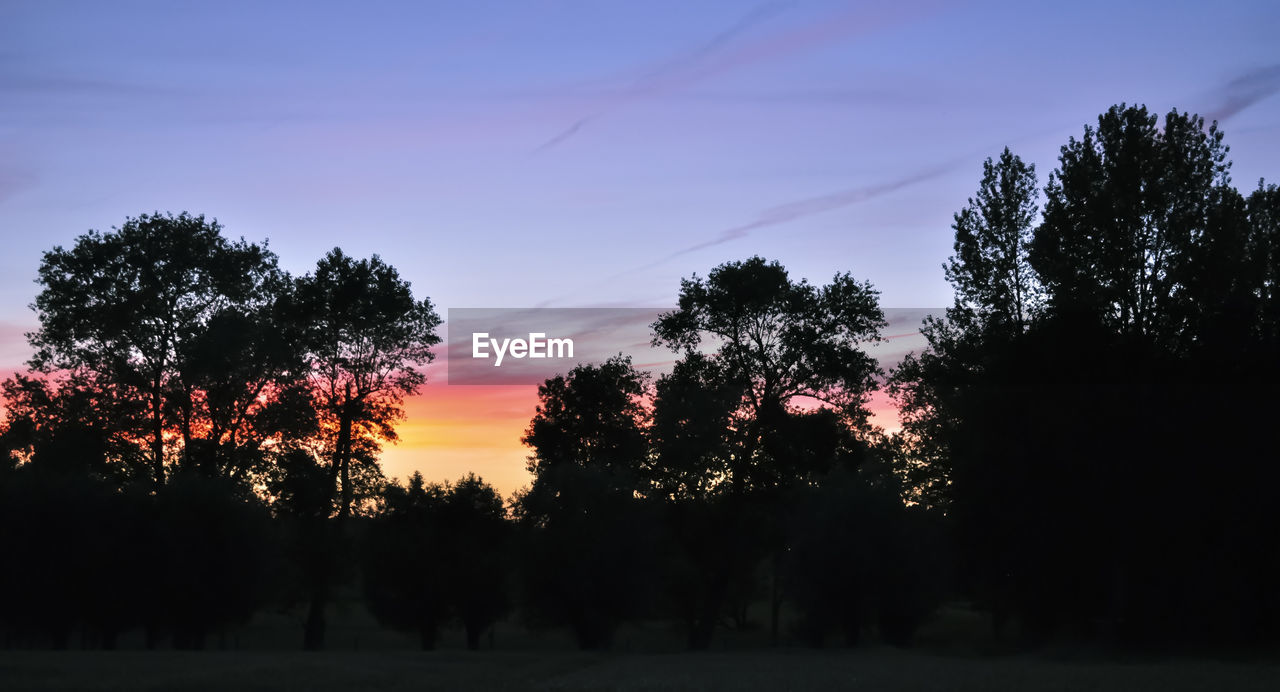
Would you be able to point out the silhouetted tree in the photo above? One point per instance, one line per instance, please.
(215, 543)
(991, 271)
(364, 339)
(1068, 454)
(49, 520)
(243, 390)
(858, 557)
(476, 547)
(186, 561)
(776, 341)
(123, 305)
(70, 423)
(1130, 214)
(1263, 207)
(438, 552)
(997, 295)
(587, 535)
(404, 582)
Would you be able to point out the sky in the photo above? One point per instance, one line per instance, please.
(579, 153)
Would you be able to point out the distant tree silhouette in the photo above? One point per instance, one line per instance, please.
(48, 520)
(404, 582)
(588, 539)
(184, 562)
(858, 556)
(215, 543)
(438, 552)
(478, 555)
(65, 424)
(783, 339)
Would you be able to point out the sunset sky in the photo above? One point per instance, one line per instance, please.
(579, 153)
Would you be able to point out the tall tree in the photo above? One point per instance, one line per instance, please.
(997, 296)
(241, 387)
(1264, 253)
(1129, 210)
(783, 341)
(990, 270)
(124, 304)
(1067, 453)
(365, 340)
(774, 343)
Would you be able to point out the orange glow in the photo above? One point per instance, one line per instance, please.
(450, 430)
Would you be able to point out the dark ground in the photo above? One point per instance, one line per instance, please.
(870, 669)
(955, 653)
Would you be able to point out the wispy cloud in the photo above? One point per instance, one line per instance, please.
(819, 204)
(724, 53)
(1244, 91)
(791, 211)
(14, 181)
(756, 16)
(672, 68)
(566, 134)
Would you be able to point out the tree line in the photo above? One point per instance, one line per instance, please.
(1087, 448)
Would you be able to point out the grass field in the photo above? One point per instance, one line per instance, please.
(955, 654)
(870, 669)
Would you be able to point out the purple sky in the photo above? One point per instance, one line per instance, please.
(584, 153)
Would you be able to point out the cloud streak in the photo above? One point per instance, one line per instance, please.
(1244, 91)
(13, 181)
(718, 55)
(566, 134)
(791, 211)
(751, 19)
(756, 16)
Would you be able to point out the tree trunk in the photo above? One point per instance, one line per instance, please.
(157, 434)
(343, 463)
(313, 630)
(775, 599)
(473, 635)
(427, 636)
(705, 621)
